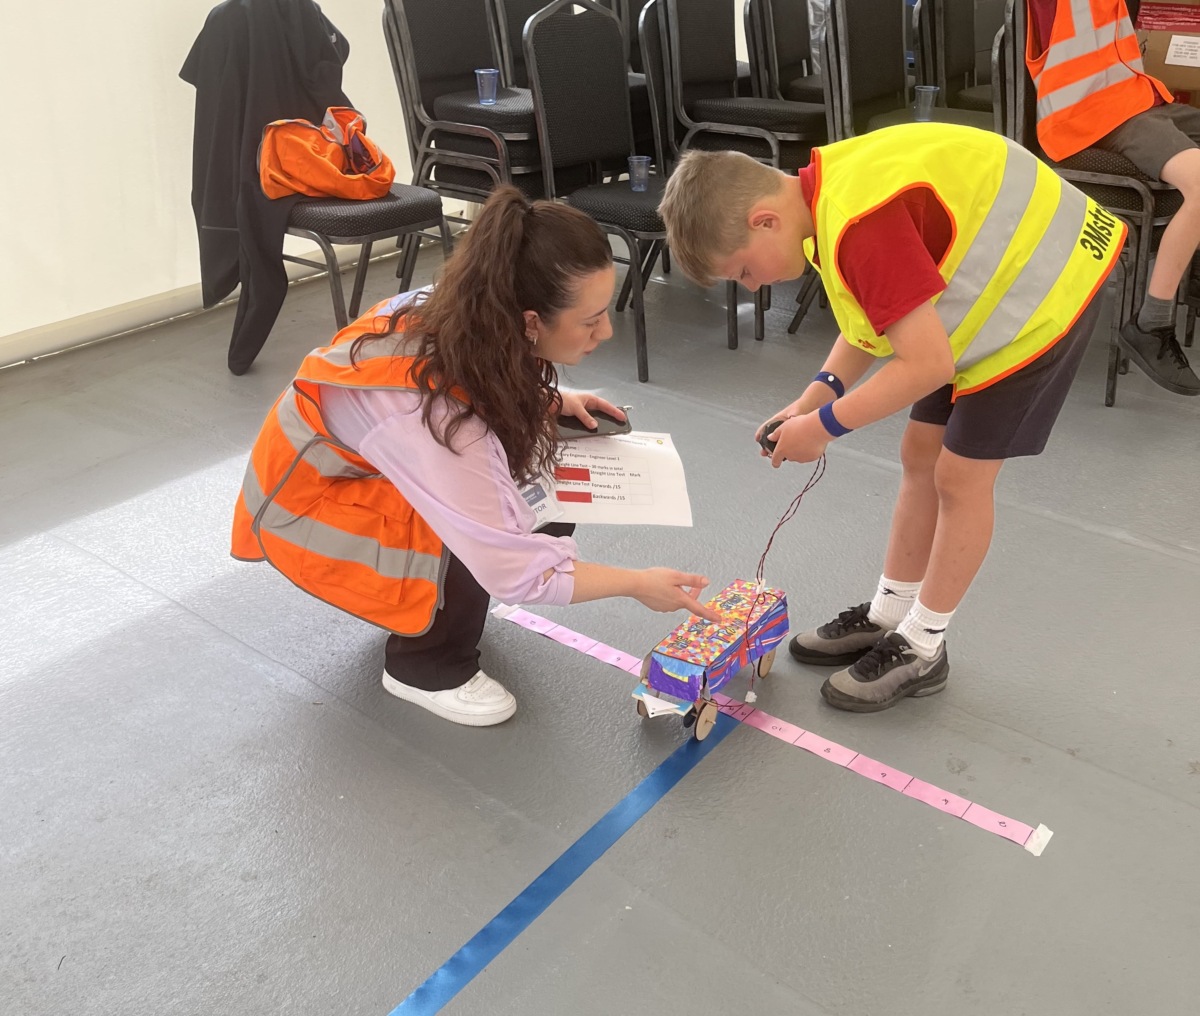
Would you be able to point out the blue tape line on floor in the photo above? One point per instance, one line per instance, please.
(458, 971)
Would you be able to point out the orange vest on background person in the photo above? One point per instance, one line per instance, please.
(322, 515)
(334, 160)
(1090, 77)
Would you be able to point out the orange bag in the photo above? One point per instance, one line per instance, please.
(334, 160)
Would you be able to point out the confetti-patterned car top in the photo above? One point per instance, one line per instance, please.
(700, 642)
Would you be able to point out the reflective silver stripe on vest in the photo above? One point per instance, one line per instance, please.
(1038, 277)
(1069, 95)
(1012, 309)
(308, 534)
(1088, 37)
(339, 355)
(300, 434)
(987, 250)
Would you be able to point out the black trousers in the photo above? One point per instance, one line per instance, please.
(447, 656)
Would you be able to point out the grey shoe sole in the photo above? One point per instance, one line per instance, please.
(816, 659)
(934, 683)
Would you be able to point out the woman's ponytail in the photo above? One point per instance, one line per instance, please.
(517, 256)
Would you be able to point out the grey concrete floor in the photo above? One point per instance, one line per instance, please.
(211, 806)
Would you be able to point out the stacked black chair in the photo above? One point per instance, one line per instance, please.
(705, 111)
(945, 43)
(782, 50)
(510, 17)
(459, 148)
(575, 55)
(779, 35)
(631, 17)
(865, 64)
(702, 64)
(950, 40)
(667, 135)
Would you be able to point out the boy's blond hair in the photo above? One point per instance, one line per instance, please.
(707, 207)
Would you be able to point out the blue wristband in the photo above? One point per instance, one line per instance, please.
(833, 381)
(830, 422)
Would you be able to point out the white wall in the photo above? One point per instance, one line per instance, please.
(97, 161)
(95, 196)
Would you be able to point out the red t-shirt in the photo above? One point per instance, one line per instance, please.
(889, 259)
(1040, 22)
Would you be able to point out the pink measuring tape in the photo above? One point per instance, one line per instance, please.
(1033, 840)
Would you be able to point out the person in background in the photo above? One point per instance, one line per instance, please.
(1093, 92)
(387, 478)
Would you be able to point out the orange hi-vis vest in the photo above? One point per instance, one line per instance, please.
(1090, 77)
(335, 159)
(322, 515)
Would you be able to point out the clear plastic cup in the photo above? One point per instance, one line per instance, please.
(639, 172)
(487, 79)
(926, 94)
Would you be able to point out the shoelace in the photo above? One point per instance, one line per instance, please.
(849, 620)
(1171, 345)
(879, 657)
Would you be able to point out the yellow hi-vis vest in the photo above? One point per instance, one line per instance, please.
(1027, 254)
(322, 514)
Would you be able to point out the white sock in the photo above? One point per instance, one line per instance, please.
(924, 629)
(892, 602)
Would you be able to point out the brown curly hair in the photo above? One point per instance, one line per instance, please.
(469, 332)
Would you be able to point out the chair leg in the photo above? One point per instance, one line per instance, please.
(410, 245)
(1120, 282)
(335, 280)
(808, 289)
(731, 322)
(766, 298)
(626, 286)
(645, 268)
(1114, 355)
(1189, 330)
(1133, 284)
(639, 310)
(656, 247)
(760, 303)
(666, 259)
(447, 238)
(360, 279)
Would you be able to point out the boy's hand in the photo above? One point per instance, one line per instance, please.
(787, 412)
(800, 439)
(577, 404)
(809, 402)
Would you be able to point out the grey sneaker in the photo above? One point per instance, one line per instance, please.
(890, 671)
(843, 640)
(1158, 354)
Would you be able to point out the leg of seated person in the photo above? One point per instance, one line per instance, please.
(1162, 143)
(1182, 235)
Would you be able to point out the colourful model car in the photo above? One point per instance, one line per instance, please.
(699, 657)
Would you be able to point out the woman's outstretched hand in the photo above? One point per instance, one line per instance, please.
(667, 590)
(579, 404)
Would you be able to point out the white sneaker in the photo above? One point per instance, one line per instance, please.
(481, 702)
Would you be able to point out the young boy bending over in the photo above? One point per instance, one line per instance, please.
(976, 270)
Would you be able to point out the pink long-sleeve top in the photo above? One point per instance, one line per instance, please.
(467, 495)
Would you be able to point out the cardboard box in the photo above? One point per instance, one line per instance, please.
(1169, 34)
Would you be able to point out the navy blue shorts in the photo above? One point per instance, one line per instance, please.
(1014, 416)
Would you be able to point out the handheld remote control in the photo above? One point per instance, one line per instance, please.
(770, 428)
